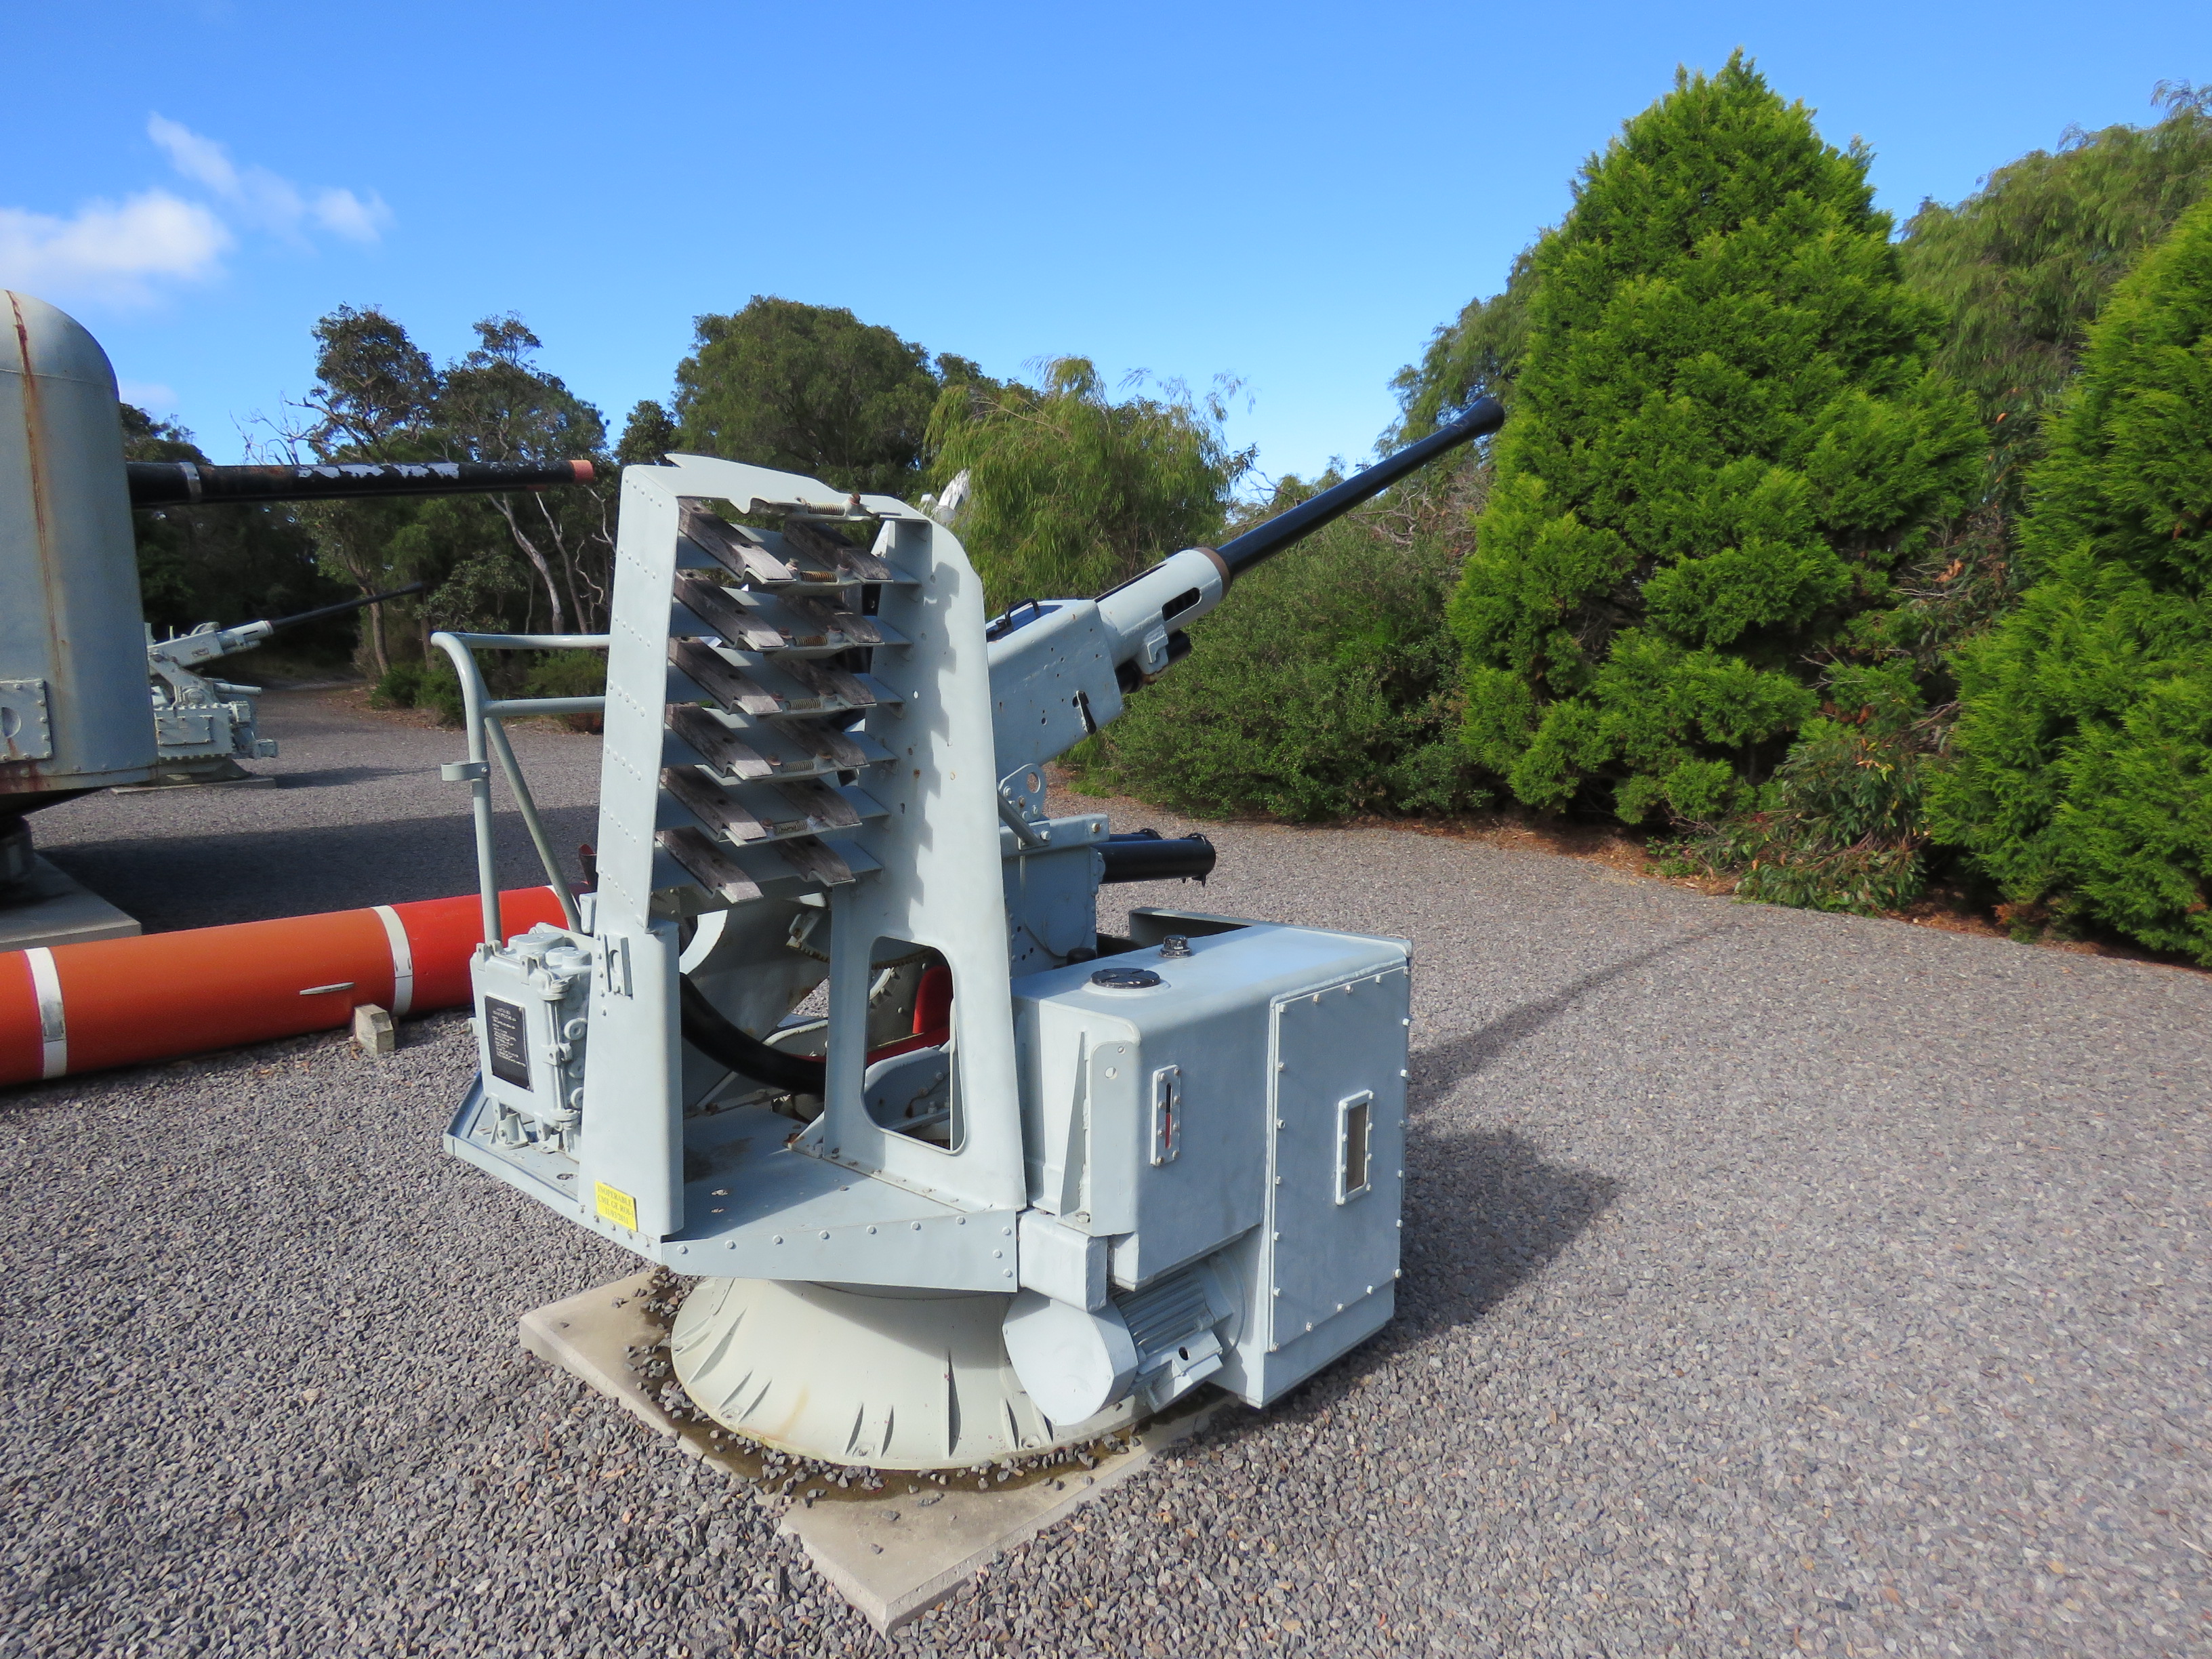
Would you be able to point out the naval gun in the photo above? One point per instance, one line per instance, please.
(956, 1177)
(203, 726)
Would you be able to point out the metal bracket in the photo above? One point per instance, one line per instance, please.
(1021, 805)
(464, 771)
(613, 964)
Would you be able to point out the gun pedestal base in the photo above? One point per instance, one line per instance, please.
(871, 1376)
(52, 908)
(893, 1553)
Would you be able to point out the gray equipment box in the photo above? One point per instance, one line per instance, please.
(533, 997)
(1250, 1105)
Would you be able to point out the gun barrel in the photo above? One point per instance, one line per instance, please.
(181, 483)
(343, 606)
(1241, 553)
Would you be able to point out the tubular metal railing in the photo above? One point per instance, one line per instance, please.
(485, 717)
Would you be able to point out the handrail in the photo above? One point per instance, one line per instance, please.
(484, 717)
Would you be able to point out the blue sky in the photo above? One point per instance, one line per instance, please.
(1294, 194)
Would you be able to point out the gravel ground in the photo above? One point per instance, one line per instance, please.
(1774, 1282)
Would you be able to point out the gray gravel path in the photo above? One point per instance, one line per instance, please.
(1774, 1282)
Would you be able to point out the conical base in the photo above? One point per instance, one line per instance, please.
(887, 1378)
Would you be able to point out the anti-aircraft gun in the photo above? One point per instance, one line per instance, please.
(961, 1178)
(202, 727)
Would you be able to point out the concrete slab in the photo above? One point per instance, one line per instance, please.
(893, 1553)
(590, 1336)
(60, 911)
(896, 1554)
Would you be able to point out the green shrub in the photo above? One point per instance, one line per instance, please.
(430, 685)
(570, 674)
(2022, 267)
(1323, 686)
(1842, 825)
(567, 674)
(397, 687)
(1725, 432)
(2024, 263)
(2083, 773)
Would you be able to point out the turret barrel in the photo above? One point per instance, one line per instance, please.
(189, 484)
(1263, 541)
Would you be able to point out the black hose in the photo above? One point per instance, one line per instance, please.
(714, 1035)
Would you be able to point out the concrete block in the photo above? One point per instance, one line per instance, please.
(893, 1553)
(373, 1030)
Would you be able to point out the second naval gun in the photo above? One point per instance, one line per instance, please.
(204, 727)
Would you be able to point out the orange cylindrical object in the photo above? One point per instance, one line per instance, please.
(158, 995)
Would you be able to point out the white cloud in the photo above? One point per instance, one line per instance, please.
(125, 253)
(264, 200)
(109, 250)
(201, 160)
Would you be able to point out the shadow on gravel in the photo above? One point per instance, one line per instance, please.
(1442, 1067)
(259, 875)
(330, 775)
(1484, 1212)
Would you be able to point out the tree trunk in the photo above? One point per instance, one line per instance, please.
(537, 561)
(568, 564)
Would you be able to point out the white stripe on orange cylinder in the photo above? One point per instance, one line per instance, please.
(54, 1019)
(123, 1001)
(403, 961)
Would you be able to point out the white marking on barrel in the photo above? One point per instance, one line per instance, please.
(53, 1027)
(403, 960)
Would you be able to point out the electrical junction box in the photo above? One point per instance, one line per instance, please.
(1248, 1106)
(533, 1002)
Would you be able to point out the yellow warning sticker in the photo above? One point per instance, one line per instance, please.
(617, 1207)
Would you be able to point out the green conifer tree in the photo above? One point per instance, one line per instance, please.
(2082, 779)
(1726, 429)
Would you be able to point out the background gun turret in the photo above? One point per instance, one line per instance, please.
(203, 727)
